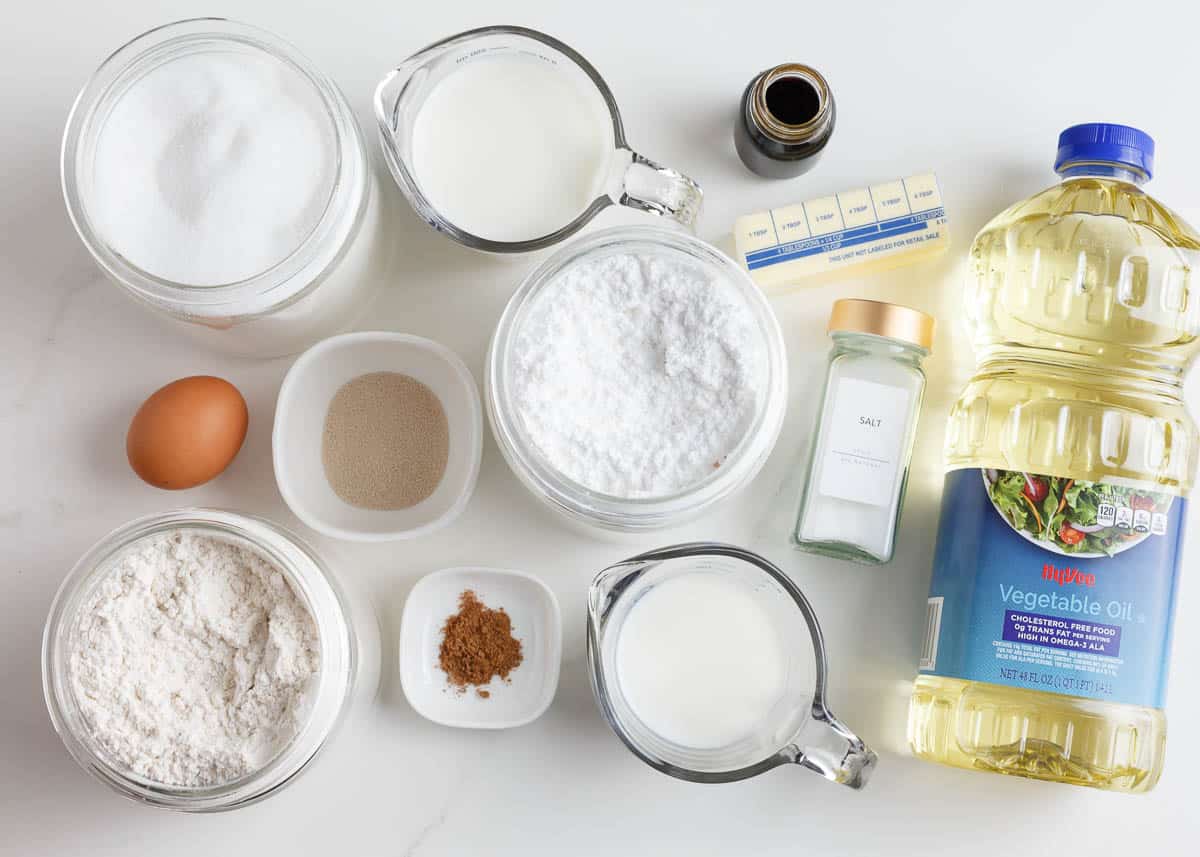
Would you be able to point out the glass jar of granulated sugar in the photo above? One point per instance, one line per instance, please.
(220, 179)
(343, 625)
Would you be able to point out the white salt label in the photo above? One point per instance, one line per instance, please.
(866, 439)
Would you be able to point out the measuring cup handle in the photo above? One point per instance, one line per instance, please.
(827, 746)
(648, 186)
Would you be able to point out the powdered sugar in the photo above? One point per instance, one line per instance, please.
(636, 374)
(192, 660)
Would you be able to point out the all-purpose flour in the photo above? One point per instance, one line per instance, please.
(193, 659)
(637, 374)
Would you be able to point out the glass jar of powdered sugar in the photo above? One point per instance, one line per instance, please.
(636, 378)
(858, 469)
(347, 651)
(220, 179)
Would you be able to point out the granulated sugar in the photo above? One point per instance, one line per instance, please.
(192, 660)
(386, 441)
(213, 167)
(637, 374)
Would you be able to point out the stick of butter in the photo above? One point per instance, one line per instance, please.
(859, 231)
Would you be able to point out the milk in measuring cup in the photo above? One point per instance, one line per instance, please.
(508, 148)
(700, 661)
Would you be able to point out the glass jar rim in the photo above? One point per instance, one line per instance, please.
(309, 578)
(635, 513)
(815, 129)
(290, 278)
(898, 345)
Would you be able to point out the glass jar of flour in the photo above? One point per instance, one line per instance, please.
(854, 484)
(219, 178)
(107, 607)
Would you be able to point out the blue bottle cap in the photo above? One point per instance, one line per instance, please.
(1105, 143)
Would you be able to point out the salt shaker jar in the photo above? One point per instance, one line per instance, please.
(858, 467)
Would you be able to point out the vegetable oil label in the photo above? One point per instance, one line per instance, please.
(866, 439)
(1054, 584)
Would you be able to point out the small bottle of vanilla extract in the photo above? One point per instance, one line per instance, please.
(785, 119)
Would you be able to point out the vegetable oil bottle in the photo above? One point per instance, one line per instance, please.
(1069, 457)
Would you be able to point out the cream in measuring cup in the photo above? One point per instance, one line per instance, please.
(541, 160)
(708, 663)
(699, 659)
(507, 140)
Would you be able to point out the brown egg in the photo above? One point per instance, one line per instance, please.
(187, 432)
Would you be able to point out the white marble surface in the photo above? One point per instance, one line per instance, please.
(976, 92)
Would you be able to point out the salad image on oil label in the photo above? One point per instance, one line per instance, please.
(1076, 517)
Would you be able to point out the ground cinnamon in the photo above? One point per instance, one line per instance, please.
(477, 645)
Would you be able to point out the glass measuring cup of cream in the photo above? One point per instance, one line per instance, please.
(709, 664)
(509, 141)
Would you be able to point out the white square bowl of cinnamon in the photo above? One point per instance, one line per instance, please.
(480, 648)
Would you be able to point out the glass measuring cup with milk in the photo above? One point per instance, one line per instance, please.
(507, 140)
(708, 663)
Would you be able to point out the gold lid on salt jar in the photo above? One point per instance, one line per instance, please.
(894, 321)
